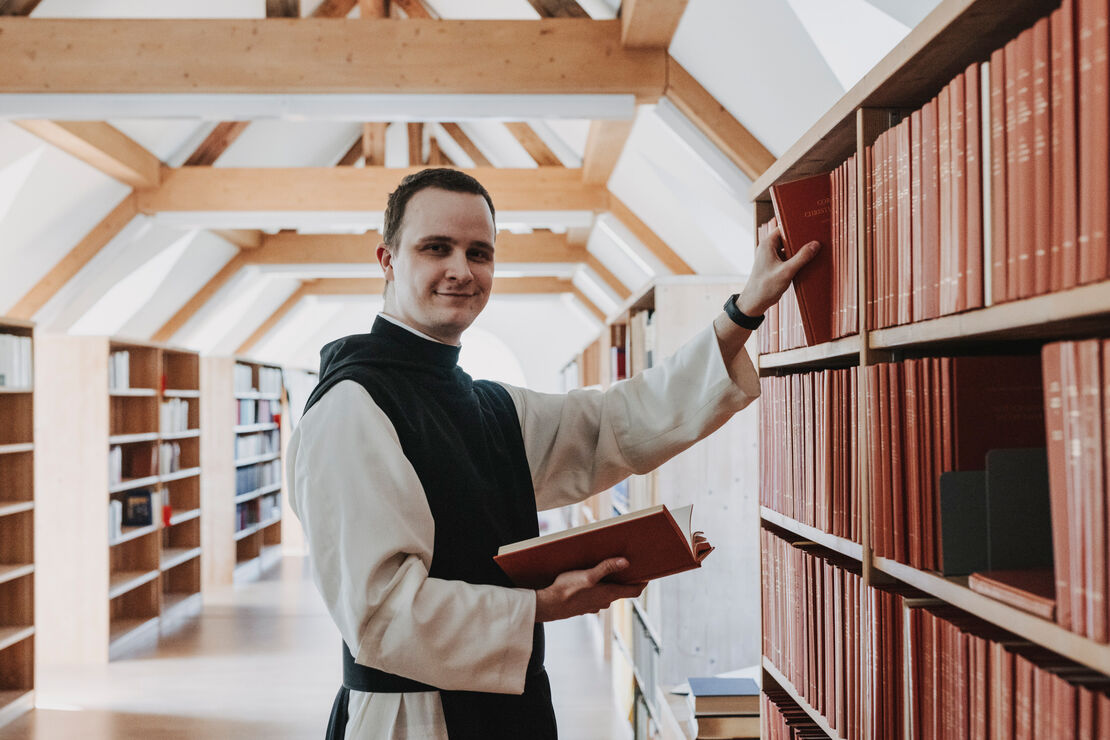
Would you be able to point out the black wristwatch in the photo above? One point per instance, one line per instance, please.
(740, 318)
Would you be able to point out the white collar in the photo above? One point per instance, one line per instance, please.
(406, 327)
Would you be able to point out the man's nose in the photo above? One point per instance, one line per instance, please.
(458, 266)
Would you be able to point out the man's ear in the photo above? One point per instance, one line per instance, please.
(385, 259)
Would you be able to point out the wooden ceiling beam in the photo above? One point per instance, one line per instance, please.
(325, 56)
(216, 143)
(590, 305)
(373, 8)
(413, 9)
(533, 144)
(242, 238)
(373, 143)
(283, 8)
(18, 7)
(644, 233)
(76, 259)
(416, 143)
(325, 189)
(104, 147)
(274, 319)
(353, 155)
(610, 279)
(604, 144)
(650, 23)
(334, 8)
(558, 9)
(455, 131)
(714, 120)
(194, 304)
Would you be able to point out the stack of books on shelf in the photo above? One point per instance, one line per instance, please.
(119, 370)
(269, 380)
(173, 416)
(252, 477)
(812, 476)
(243, 378)
(782, 719)
(15, 361)
(169, 458)
(253, 445)
(724, 707)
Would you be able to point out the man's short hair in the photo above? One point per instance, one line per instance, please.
(439, 177)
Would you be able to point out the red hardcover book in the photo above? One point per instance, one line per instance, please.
(1031, 590)
(1002, 691)
(1013, 203)
(916, 217)
(878, 242)
(978, 709)
(1057, 477)
(1093, 489)
(930, 209)
(905, 224)
(1042, 175)
(958, 152)
(1024, 237)
(890, 230)
(655, 542)
(998, 177)
(886, 534)
(1023, 698)
(912, 466)
(869, 236)
(874, 429)
(1077, 519)
(997, 402)
(804, 214)
(1042, 702)
(837, 247)
(1065, 195)
(898, 453)
(944, 148)
(1094, 150)
(853, 245)
(973, 150)
(926, 465)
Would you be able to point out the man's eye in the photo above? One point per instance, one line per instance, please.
(437, 247)
(480, 255)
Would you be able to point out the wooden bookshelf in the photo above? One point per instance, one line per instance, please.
(148, 422)
(18, 608)
(783, 683)
(956, 34)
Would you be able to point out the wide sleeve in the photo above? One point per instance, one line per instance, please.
(370, 535)
(585, 441)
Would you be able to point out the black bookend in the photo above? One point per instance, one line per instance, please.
(1018, 511)
(963, 522)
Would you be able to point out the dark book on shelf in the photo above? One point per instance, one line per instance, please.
(655, 541)
(1019, 517)
(712, 695)
(804, 213)
(137, 511)
(963, 522)
(1029, 589)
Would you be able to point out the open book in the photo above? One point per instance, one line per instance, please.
(655, 541)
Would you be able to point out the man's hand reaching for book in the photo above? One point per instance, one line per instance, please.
(583, 592)
(772, 273)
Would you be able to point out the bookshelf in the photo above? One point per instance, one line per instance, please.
(130, 541)
(957, 34)
(17, 515)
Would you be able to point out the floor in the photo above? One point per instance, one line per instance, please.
(262, 661)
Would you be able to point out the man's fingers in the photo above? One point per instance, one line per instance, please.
(606, 568)
(774, 242)
(804, 255)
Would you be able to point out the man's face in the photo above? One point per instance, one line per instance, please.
(442, 268)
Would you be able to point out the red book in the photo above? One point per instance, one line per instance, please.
(1026, 200)
(853, 247)
(997, 402)
(1093, 490)
(891, 251)
(884, 464)
(930, 209)
(1042, 175)
(878, 241)
(1023, 698)
(803, 210)
(916, 217)
(874, 430)
(655, 542)
(1051, 359)
(1094, 151)
(912, 467)
(927, 466)
(1065, 195)
(944, 148)
(898, 453)
(905, 225)
(958, 152)
(1013, 203)
(973, 149)
(1077, 521)
(998, 178)
(979, 710)
(1033, 590)
(869, 250)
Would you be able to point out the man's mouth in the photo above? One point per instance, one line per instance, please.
(456, 295)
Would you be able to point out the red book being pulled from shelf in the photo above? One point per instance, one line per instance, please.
(655, 541)
(803, 209)
(1031, 590)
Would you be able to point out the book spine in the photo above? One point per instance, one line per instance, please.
(1094, 150)
(1058, 477)
(1026, 181)
(944, 149)
(957, 132)
(973, 146)
(1013, 202)
(1042, 175)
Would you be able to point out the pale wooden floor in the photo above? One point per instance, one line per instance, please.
(262, 661)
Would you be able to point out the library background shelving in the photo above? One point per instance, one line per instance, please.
(17, 541)
(683, 626)
(956, 34)
(149, 421)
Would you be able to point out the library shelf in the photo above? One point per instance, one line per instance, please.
(11, 572)
(133, 533)
(132, 393)
(175, 556)
(253, 528)
(1073, 312)
(178, 393)
(1047, 634)
(132, 483)
(845, 349)
(125, 632)
(187, 434)
(255, 459)
(184, 516)
(14, 703)
(841, 545)
(13, 390)
(122, 582)
(16, 448)
(11, 635)
(125, 439)
(179, 474)
(180, 605)
(264, 427)
(805, 706)
(256, 493)
(954, 32)
(16, 507)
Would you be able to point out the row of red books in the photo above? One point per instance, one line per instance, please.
(935, 414)
(811, 629)
(1077, 419)
(824, 305)
(812, 476)
(782, 719)
(972, 681)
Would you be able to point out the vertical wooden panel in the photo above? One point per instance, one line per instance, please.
(217, 477)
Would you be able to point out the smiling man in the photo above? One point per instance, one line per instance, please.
(408, 475)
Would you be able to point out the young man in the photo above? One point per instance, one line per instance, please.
(407, 476)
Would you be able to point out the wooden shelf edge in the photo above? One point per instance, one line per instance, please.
(13, 572)
(124, 439)
(851, 549)
(16, 507)
(133, 533)
(16, 390)
(254, 460)
(177, 556)
(1023, 624)
(14, 704)
(129, 580)
(179, 474)
(641, 298)
(187, 434)
(181, 393)
(132, 393)
(844, 347)
(123, 631)
(133, 483)
(257, 493)
(11, 635)
(14, 448)
(184, 516)
(260, 427)
(788, 687)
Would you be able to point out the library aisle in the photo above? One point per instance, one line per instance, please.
(262, 661)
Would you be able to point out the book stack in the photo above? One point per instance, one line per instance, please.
(15, 361)
(812, 476)
(972, 679)
(724, 707)
(119, 370)
(169, 458)
(936, 414)
(811, 627)
(269, 380)
(1077, 420)
(173, 416)
(782, 719)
